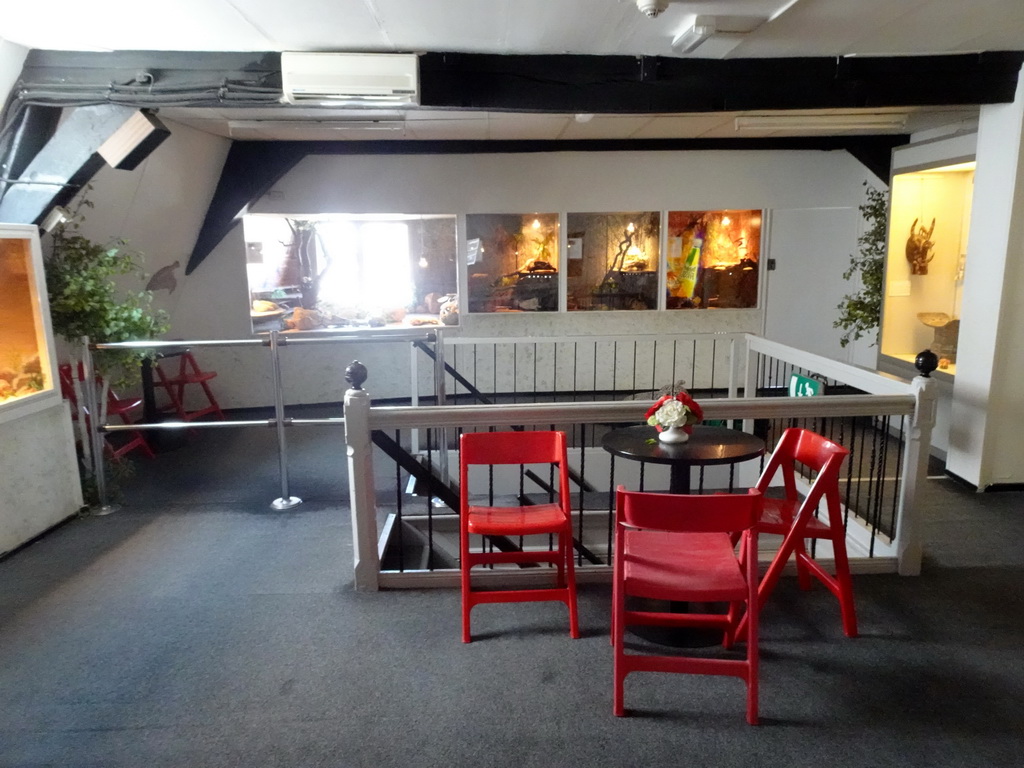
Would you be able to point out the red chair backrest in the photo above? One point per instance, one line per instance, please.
(688, 513)
(67, 385)
(532, 447)
(814, 451)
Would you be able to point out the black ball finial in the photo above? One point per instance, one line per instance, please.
(926, 362)
(355, 374)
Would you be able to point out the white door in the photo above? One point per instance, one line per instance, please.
(806, 285)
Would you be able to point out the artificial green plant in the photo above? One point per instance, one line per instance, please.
(86, 300)
(860, 313)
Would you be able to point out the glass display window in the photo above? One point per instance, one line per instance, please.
(26, 358)
(512, 262)
(613, 260)
(712, 259)
(929, 220)
(339, 271)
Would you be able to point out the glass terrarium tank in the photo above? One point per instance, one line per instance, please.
(712, 259)
(25, 340)
(929, 221)
(512, 262)
(613, 260)
(349, 271)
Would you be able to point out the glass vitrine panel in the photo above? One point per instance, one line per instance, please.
(712, 259)
(512, 261)
(340, 270)
(25, 358)
(930, 214)
(613, 260)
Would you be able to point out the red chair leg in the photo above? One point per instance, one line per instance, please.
(845, 587)
(570, 573)
(464, 567)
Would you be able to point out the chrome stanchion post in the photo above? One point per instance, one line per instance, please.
(285, 501)
(92, 407)
(441, 397)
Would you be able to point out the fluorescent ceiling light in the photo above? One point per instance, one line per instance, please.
(867, 122)
(724, 28)
(690, 39)
(242, 126)
(956, 168)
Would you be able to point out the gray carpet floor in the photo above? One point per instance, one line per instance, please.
(197, 627)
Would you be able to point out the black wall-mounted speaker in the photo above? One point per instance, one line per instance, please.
(132, 142)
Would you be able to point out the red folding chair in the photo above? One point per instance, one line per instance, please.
(120, 407)
(680, 548)
(174, 383)
(797, 521)
(550, 523)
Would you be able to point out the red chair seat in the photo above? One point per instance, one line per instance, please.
(778, 516)
(120, 406)
(708, 573)
(515, 521)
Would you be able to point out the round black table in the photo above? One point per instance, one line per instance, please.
(706, 446)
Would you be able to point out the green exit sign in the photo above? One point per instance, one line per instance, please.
(805, 386)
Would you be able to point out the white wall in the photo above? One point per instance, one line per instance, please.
(805, 289)
(160, 205)
(39, 484)
(12, 58)
(988, 403)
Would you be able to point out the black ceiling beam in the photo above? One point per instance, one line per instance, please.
(544, 83)
(64, 165)
(625, 84)
(253, 167)
(28, 133)
(250, 170)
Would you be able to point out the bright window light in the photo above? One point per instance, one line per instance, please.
(368, 264)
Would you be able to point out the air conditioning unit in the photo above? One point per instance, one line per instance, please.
(350, 78)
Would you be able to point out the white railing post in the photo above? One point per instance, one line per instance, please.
(734, 366)
(749, 378)
(362, 492)
(915, 471)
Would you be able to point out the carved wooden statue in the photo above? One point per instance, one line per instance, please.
(919, 248)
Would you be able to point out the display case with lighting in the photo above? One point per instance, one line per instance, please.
(712, 259)
(930, 212)
(512, 262)
(613, 260)
(350, 271)
(27, 372)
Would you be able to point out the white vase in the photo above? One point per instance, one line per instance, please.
(673, 435)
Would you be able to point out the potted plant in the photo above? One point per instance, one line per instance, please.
(860, 313)
(86, 300)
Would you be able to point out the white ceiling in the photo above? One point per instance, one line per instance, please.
(599, 27)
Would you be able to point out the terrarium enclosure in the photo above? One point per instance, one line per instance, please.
(712, 259)
(25, 341)
(350, 271)
(513, 262)
(613, 260)
(928, 227)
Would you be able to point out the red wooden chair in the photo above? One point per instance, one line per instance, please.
(680, 548)
(552, 520)
(796, 520)
(174, 382)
